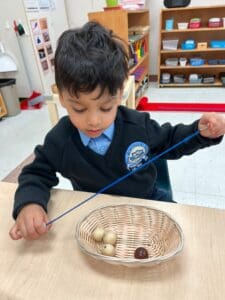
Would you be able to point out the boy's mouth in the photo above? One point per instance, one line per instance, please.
(94, 133)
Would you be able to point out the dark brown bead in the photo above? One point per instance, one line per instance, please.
(141, 253)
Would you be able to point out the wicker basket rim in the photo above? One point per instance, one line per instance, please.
(131, 261)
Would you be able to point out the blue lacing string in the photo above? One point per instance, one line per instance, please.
(118, 180)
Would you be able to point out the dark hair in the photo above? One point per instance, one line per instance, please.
(88, 57)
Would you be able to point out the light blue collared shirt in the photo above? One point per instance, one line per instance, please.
(100, 144)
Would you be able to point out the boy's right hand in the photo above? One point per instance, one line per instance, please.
(30, 223)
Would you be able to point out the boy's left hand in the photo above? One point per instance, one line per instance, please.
(214, 124)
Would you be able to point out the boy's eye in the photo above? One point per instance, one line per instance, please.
(80, 110)
(106, 109)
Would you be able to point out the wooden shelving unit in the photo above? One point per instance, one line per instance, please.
(202, 34)
(3, 110)
(120, 21)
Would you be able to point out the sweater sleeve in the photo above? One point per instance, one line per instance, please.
(37, 178)
(165, 136)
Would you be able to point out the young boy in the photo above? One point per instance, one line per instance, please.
(99, 140)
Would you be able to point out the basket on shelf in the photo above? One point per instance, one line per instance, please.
(135, 226)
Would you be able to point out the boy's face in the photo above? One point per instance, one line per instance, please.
(90, 115)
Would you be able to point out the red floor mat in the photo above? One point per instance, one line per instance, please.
(144, 105)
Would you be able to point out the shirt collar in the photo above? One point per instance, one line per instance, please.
(108, 133)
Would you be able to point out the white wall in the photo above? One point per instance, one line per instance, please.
(77, 10)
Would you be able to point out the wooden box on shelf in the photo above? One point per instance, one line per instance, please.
(3, 110)
(202, 37)
(133, 27)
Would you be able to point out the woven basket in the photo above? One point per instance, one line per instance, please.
(135, 226)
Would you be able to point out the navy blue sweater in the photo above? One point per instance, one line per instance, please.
(136, 139)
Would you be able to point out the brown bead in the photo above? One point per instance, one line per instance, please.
(141, 253)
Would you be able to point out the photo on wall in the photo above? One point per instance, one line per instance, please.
(41, 53)
(43, 23)
(35, 26)
(49, 49)
(38, 39)
(44, 65)
(46, 36)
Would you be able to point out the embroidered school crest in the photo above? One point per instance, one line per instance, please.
(136, 155)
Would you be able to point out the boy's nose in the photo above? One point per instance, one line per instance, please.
(93, 120)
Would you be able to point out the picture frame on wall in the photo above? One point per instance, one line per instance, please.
(43, 23)
(46, 36)
(38, 39)
(49, 49)
(35, 26)
(41, 53)
(44, 65)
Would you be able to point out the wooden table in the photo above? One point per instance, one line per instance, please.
(54, 268)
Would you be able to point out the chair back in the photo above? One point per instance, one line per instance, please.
(163, 178)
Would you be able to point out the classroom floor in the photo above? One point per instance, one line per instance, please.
(197, 179)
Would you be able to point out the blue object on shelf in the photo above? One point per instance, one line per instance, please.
(169, 24)
(213, 62)
(188, 44)
(197, 61)
(221, 61)
(217, 44)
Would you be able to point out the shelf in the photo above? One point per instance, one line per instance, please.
(137, 11)
(139, 63)
(141, 37)
(194, 50)
(203, 9)
(192, 67)
(193, 30)
(202, 35)
(141, 92)
(217, 83)
(138, 83)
